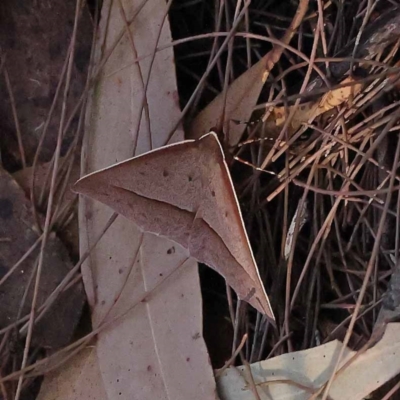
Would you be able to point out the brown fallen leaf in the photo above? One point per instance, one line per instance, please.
(70, 233)
(17, 235)
(244, 92)
(34, 40)
(42, 179)
(308, 112)
(81, 375)
(184, 192)
(336, 97)
(305, 112)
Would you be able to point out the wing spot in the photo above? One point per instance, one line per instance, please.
(165, 173)
(212, 193)
(190, 178)
(171, 250)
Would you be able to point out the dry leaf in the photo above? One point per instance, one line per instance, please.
(242, 95)
(300, 220)
(34, 41)
(17, 235)
(80, 376)
(241, 98)
(337, 97)
(156, 351)
(70, 233)
(309, 111)
(304, 113)
(301, 373)
(42, 179)
(184, 192)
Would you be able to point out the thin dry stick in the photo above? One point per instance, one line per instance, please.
(69, 157)
(55, 293)
(316, 92)
(47, 225)
(288, 303)
(347, 319)
(41, 140)
(228, 68)
(144, 103)
(323, 231)
(318, 60)
(81, 103)
(66, 164)
(58, 203)
(297, 102)
(320, 22)
(230, 303)
(316, 156)
(68, 278)
(218, 23)
(248, 41)
(221, 370)
(21, 260)
(4, 391)
(16, 120)
(26, 290)
(118, 295)
(392, 391)
(119, 37)
(370, 6)
(370, 266)
(345, 193)
(79, 344)
(82, 100)
(278, 344)
(209, 68)
(253, 37)
(275, 56)
(236, 325)
(253, 386)
(349, 146)
(4, 341)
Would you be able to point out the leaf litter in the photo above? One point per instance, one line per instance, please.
(19, 236)
(299, 375)
(149, 329)
(316, 142)
(335, 155)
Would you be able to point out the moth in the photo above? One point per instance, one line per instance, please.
(184, 192)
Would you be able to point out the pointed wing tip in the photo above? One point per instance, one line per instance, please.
(270, 315)
(263, 306)
(211, 134)
(77, 186)
(82, 185)
(267, 311)
(211, 138)
(211, 142)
